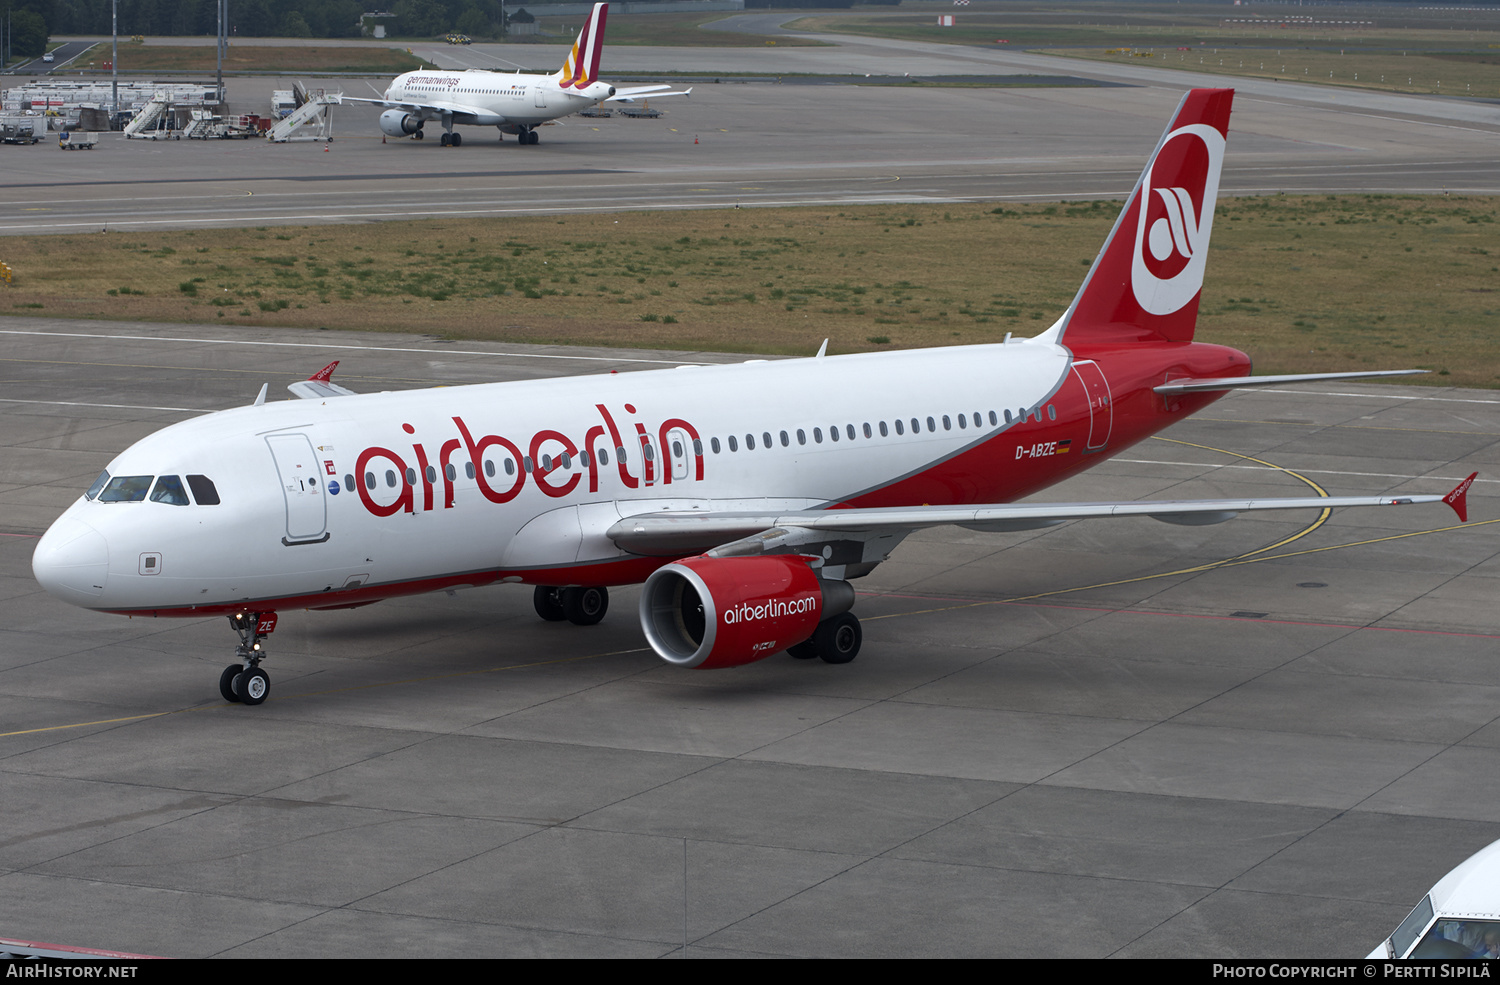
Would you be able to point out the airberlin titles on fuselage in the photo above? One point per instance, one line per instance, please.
(547, 452)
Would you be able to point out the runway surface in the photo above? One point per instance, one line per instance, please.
(1097, 740)
(763, 143)
(1263, 738)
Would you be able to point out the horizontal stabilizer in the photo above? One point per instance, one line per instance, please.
(645, 92)
(1251, 382)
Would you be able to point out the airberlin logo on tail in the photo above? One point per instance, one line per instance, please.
(1176, 216)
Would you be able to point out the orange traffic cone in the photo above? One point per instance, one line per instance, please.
(695, 138)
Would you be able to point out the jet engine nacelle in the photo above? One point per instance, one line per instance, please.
(724, 612)
(394, 123)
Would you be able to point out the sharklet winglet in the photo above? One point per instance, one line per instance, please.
(1458, 498)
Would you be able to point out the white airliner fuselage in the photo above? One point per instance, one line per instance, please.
(515, 103)
(511, 101)
(549, 451)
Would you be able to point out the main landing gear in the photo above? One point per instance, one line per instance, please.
(451, 140)
(245, 682)
(579, 606)
(836, 640)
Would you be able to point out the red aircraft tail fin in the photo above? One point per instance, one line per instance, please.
(1147, 279)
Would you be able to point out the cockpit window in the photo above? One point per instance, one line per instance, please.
(169, 490)
(204, 490)
(98, 485)
(126, 489)
(1414, 924)
(1460, 939)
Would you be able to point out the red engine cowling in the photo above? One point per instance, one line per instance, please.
(724, 612)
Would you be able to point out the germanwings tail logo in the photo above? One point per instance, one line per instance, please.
(581, 67)
(1147, 280)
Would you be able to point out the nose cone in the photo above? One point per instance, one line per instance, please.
(71, 561)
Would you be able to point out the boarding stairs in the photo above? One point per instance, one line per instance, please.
(151, 122)
(311, 120)
(202, 126)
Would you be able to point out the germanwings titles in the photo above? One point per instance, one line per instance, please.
(745, 497)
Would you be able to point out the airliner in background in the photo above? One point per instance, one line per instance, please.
(746, 497)
(515, 103)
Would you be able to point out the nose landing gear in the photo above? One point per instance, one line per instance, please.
(245, 682)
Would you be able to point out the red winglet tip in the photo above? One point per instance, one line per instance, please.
(325, 375)
(1458, 498)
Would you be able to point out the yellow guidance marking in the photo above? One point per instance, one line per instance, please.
(1249, 557)
(1355, 427)
(336, 690)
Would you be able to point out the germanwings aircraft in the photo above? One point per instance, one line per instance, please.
(514, 103)
(745, 497)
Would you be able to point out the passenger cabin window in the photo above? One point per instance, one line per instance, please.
(168, 489)
(126, 489)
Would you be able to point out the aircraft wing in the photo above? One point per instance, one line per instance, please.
(385, 103)
(434, 110)
(653, 91)
(675, 534)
